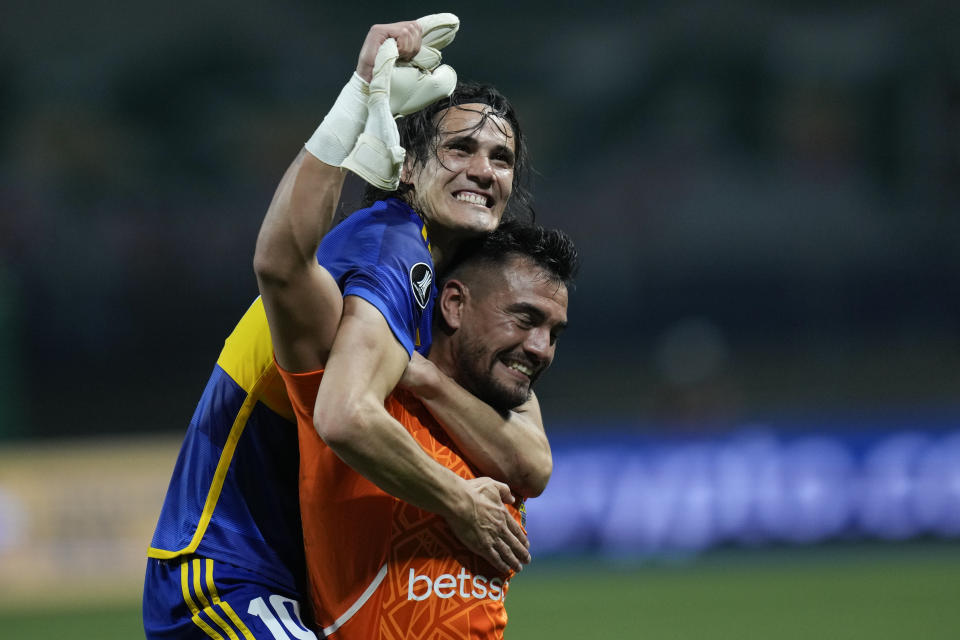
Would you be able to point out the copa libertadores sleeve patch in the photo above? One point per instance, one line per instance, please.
(421, 278)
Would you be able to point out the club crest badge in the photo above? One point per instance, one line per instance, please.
(421, 277)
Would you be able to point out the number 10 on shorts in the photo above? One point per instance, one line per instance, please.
(282, 617)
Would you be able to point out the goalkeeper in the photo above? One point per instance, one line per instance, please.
(226, 559)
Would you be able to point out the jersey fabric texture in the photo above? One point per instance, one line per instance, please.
(379, 567)
(233, 494)
(384, 258)
(197, 598)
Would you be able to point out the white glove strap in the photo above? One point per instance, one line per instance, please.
(378, 156)
(340, 129)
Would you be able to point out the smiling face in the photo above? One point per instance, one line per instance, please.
(464, 188)
(505, 334)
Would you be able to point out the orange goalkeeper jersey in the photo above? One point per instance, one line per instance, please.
(377, 566)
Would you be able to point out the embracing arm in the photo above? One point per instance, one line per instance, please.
(512, 447)
(364, 366)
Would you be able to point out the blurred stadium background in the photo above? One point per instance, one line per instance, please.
(755, 410)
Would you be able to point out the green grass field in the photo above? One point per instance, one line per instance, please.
(868, 592)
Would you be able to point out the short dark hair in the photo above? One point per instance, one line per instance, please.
(420, 135)
(550, 249)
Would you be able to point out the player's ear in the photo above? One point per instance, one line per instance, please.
(450, 303)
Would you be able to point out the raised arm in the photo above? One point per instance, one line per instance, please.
(511, 447)
(302, 301)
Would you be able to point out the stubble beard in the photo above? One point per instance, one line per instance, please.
(476, 376)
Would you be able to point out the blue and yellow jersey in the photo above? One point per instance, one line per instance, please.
(233, 495)
(383, 257)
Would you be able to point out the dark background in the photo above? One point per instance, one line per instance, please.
(765, 195)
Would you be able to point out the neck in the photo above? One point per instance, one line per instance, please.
(443, 244)
(442, 356)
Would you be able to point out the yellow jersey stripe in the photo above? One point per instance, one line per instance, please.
(220, 475)
(215, 597)
(248, 350)
(220, 622)
(207, 609)
(185, 587)
(248, 353)
(206, 628)
(197, 589)
(423, 232)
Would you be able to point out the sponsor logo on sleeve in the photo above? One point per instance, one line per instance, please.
(421, 277)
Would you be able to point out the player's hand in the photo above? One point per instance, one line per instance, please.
(410, 78)
(488, 529)
(377, 155)
(421, 81)
(418, 42)
(417, 79)
(408, 36)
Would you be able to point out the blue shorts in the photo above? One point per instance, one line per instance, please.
(197, 598)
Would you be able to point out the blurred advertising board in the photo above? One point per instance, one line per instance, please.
(639, 496)
(76, 517)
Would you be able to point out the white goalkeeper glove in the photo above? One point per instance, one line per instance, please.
(378, 156)
(422, 81)
(337, 134)
(436, 31)
(412, 86)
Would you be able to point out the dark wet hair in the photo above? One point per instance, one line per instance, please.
(420, 135)
(550, 249)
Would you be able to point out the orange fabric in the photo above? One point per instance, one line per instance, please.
(433, 588)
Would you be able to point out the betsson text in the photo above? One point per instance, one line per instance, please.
(447, 585)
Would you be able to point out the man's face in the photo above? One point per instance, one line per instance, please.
(465, 187)
(508, 332)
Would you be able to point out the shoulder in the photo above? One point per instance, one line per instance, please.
(388, 232)
(398, 231)
(391, 216)
(389, 223)
(381, 212)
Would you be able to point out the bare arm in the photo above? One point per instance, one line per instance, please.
(512, 448)
(301, 299)
(364, 366)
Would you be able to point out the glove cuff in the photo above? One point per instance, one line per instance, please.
(375, 162)
(378, 156)
(341, 127)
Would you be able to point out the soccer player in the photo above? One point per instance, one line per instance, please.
(226, 559)
(379, 567)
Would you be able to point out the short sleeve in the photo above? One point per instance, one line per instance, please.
(393, 293)
(381, 255)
